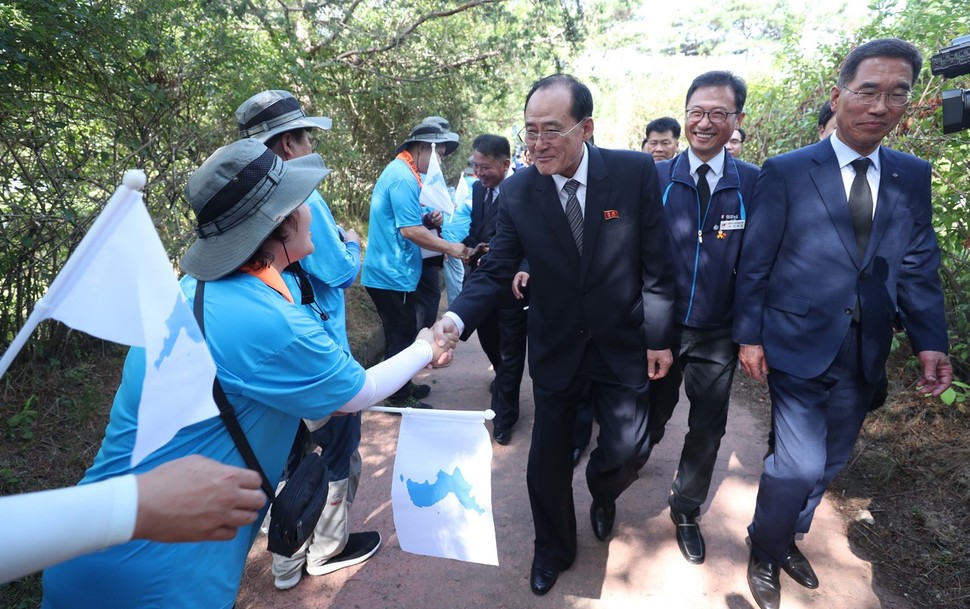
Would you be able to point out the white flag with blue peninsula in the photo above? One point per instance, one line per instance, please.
(442, 486)
(119, 285)
(434, 189)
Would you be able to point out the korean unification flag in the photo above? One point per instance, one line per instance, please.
(434, 189)
(119, 285)
(442, 486)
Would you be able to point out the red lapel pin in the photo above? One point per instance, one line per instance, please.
(611, 214)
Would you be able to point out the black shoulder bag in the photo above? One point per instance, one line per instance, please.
(296, 510)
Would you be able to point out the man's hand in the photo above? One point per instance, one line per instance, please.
(196, 499)
(753, 362)
(433, 219)
(441, 348)
(351, 236)
(459, 251)
(475, 256)
(937, 373)
(658, 363)
(519, 283)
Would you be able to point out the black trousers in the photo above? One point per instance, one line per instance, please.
(396, 310)
(621, 451)
(503, 338)
(705, 360)
(428, 294)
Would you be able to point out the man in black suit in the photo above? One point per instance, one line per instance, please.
(502, 333)
(590, 223)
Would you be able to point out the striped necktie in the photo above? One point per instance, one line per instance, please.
(574, 214)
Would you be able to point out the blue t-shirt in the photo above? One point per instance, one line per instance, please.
(393, 262)
(455, 228)
(332, 266)
(276, 365)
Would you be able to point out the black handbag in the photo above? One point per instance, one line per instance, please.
(297, 508)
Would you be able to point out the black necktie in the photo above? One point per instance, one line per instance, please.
(860, 204)
(703, 188)
(489, 195)
(574, 214)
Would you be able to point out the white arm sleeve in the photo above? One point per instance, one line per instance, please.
(45, 528)
(385, 378)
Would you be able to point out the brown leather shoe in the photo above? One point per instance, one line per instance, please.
(799, 569)
(763, 582)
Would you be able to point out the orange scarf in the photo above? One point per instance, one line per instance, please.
(273, 279)
(407, 158)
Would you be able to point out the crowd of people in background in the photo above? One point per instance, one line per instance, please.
(627, 273)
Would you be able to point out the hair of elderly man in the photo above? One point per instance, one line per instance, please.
(721, 78)
(825, 114)
(492, 145)
(882, 47)
(582, 106)
(660, 125)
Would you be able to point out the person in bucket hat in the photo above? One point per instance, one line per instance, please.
(331, 268)
(428, 294)
(275, 363)
(398, 231)
(271, 113)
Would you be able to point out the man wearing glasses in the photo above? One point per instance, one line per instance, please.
(706, 192)
(590, 223)
(839, 235)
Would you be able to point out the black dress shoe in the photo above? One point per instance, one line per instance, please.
(799, 569)
(577, 454)
(763, 582)
(542, 580)
(420, 392)
(602, 517)
(689, 537)
(503, 436)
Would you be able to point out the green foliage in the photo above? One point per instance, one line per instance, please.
(21, 425)
(91, 89)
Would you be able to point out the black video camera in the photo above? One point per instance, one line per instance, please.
(951, 62)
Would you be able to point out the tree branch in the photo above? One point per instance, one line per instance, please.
(354, 55)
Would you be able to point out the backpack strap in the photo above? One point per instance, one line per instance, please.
(226, 412)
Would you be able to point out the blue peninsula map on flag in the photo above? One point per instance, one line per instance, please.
(441, 490)
(426, 494)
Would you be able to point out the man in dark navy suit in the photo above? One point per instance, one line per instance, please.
(590, 223)
(502, 334)
(839, 236)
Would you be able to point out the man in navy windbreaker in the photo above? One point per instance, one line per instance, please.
(705, 191)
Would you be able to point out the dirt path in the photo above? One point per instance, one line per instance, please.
(640, 567)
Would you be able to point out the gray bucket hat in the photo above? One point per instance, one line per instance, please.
(273, 112)
(432, 130)
(240, 194)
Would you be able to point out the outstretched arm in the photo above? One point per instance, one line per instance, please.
(189, 499)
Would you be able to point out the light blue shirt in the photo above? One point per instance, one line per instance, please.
(276, 366)
(332, 267)
(393, 262)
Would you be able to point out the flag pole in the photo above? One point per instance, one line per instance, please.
(471, 415)
(134, 180)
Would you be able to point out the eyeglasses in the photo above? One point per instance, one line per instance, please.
(715, 116)
(893, 99)
(549, 137)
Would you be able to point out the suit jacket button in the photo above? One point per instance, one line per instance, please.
(848, 311)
